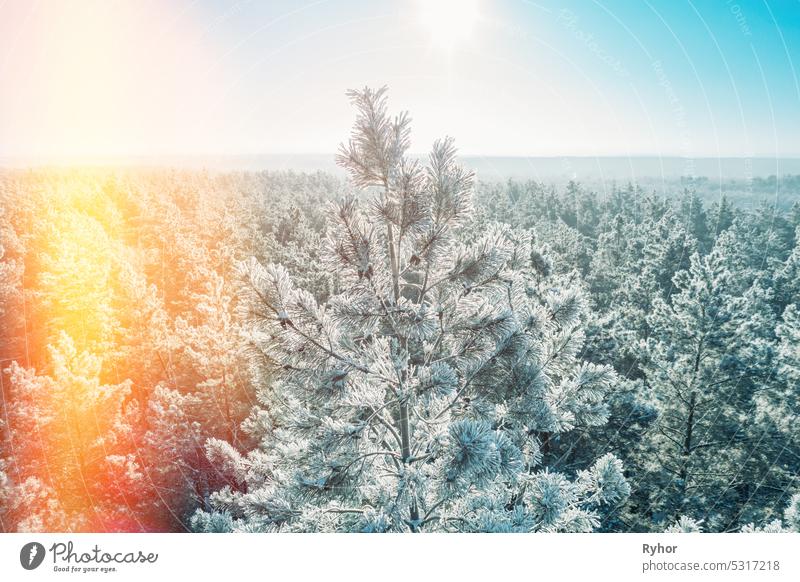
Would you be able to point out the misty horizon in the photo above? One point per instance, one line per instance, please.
(606, 167)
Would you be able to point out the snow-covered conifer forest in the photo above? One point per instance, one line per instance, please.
(407, 349)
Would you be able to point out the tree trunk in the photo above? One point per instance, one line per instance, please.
(405, 438)
(394, 264)
(405, 428)
(687, 446)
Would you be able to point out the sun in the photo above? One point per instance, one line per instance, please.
(449, 22)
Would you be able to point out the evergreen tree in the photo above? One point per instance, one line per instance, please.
(787, 277)
(709, 348)
(695, 220)
(790, 522)
(424, 395)
(80, 471)
(722, 215)
(789, 351)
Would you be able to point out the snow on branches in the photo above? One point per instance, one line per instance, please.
(421, 395)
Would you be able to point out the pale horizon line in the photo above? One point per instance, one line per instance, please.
(332, 155)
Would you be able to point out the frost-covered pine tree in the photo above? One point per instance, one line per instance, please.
(634, 266)
(422, 396)
(70, 436)
(777, 401)
(708, 356)
(789, 350)
(787, 276)
(789, 524)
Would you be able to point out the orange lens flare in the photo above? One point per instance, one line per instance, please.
(76, 397)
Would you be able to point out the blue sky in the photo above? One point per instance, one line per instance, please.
(505, 77)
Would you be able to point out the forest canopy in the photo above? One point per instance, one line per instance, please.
(407, 349)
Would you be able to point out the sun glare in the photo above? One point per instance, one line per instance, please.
(449, 22)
